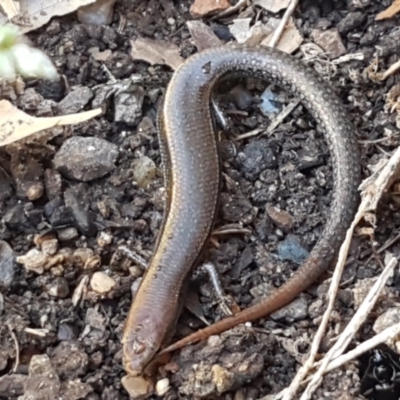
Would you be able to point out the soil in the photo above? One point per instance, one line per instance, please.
(49, 200)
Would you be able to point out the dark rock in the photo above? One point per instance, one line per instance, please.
(290, 249)
(330, 41)
(294, 311)
(256, 157)
(7, 265)
(75, 199)
(75, 101)
(351, 21)
(16, 220)
(86, 158)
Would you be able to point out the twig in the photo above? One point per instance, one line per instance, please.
(372, 189)
(14, 337)
(351, 329)
(389, 333)
(283, 114)
(302, 373)
(282, 25)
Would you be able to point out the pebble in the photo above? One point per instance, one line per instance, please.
(98, 13)
(52, 183)
(16, 219)
(49, 247)
(137, 387)
(85, 158)
(201, 8)
(294, 311)
(162, 387)
(144, 171)
(34, 260)
(389, 318)
(77, 202)
(67, 234)
(102, 283)
(58, 288)
(104, 239)
(291, 249)
(7, 265)
(75, 101)
(268, 104)
(128, 106)
(256, 157)
(330, 41)
(351, 21)
(281, 218)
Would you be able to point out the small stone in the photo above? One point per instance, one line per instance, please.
(75, 101)
(76, 200)
(75, 390)
(50, 247)
(357, 4)
(58, 288)
(171, 21)
(128, 106)
(202, 35)
(16, 220)
(281, 218)
(69, 359)
(102, 283)
(222, 378)
(43, 381)
(67, 234)
(330, 41)
(162, 387)
(81, 255)
(202, 8)
(33, 260)
(256, 157)
(137, 387)
(294, 311)
(7, 265)
(52, 183)
(86, 158)
(291, 249)
(389, 318)
(144, 171)
(93, 262)
(351, 21)
(57, 271)
(104, 239)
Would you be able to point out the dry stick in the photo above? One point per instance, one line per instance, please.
(382, 337)
(278, 32)
(373, 188)
(17, 351)
(351, 329)
(303, 371)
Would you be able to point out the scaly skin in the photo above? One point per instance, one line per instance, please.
(193, 180)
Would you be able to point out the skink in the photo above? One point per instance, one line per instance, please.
(192, 179)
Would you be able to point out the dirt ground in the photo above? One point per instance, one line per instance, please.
(48, 203)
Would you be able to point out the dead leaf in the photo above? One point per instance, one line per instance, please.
(390, 11)
(16, 125)
(35, 13)
(156, 52)
(203, 36)
(202, 8)
(273, 6)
